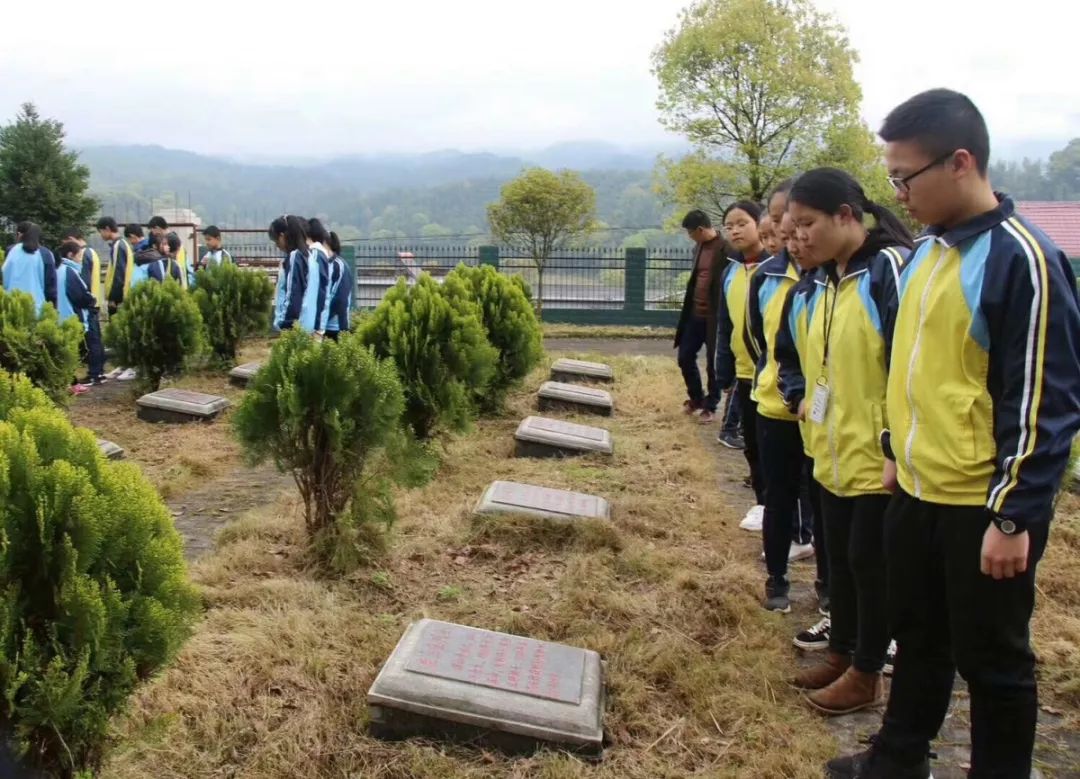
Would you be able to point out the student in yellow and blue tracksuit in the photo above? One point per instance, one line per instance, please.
(778, 435)
(845, 368)
(789, 348)
(121, 263)
(734, 361)
(983, 404)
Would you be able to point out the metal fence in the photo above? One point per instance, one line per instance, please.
(580, 279)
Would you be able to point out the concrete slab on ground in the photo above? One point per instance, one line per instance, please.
(509, 497)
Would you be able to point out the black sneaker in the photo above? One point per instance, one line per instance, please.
(815, 638)
(776, 595)
(890, 659)
(872, 764)
(730, 440)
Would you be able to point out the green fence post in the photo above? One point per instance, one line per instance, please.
(634, 294)
(348, 254)
(489, 255)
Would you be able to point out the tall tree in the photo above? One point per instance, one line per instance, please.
(540, 212)
(763, 89)
(40, 181)
(1063, 170)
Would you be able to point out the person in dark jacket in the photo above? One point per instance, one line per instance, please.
(75, 299)
(697, 322)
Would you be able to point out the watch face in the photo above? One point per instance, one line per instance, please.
(1008, 527)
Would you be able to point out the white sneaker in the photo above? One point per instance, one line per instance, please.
(890, 659)
(128, 375)
(754, 520)
(800, 552)
(114, 373)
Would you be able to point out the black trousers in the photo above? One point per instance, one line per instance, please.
(748, 411)
(95, 350)
(782, 462)
(821, 553)
(947, 616)
(854, 529)
(694, 336)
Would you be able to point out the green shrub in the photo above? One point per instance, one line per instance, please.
(40, 346)
(158, 331)
(95, 590)
(330, 414)
(441, 352)
(234, 304)
(510, 322)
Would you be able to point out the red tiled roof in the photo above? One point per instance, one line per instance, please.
(1059, 220)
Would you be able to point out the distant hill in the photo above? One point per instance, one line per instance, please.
(436, 194)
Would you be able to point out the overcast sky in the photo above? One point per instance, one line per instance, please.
(319, 78)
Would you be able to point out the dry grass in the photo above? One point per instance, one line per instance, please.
(273, 683)
(555, 330)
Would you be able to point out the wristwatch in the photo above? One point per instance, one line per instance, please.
(1009, 526)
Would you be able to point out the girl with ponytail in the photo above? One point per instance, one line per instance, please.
(843, 371)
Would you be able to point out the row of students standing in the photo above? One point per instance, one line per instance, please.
(314, 285)
(857, 329)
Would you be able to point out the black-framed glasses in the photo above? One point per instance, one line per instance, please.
(900, 183)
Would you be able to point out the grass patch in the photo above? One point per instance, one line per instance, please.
(554, 330)
(274, 682)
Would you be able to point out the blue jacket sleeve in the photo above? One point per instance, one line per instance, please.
(790, 378)
(322, 300)
(87, 269)
(725, 357)
(50, 277)
(298, 281)
(116, 292)
(754, 332)
(1029, 300)
(78, 294)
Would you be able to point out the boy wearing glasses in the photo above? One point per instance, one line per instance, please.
(983, 401)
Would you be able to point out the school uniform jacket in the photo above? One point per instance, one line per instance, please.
(31, 272)
(339, 296)
(984, 394)
(90, 271)
(858, 314)
(121, 267)
(733, 358)
(764, 307)
(302, 287)
(75, 298)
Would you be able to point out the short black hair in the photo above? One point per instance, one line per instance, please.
(158, 222)
(940, 121)
(68, 248)
(211, 232)
(174, 242)
(749, 206)
(696, 219)
(133, 230)
(107, 223)
(71, 232)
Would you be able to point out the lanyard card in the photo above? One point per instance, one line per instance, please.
(819, 404)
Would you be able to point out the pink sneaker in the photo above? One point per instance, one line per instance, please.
(79, 389)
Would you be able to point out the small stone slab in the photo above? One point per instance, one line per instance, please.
(177, 405)
(110, 450)
(555, 395)
(544, 437)
(580, 370)
(242, 374)
(463, 684)
(510, 497)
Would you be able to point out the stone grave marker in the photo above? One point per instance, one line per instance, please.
(580, 370)
(556, 395)
(177, 405)
(509, 497)
(110, 450)
(465, 684)
(242, 374)
(544, 437)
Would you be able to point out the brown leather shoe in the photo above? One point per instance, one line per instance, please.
(831, 668)
(854, 691)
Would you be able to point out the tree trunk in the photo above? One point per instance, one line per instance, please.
(539, 289)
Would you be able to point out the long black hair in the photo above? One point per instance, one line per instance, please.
(334, 244)
(317, 233)
(827, 189)
(295, 230)
(31, 236)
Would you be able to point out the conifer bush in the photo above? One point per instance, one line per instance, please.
(95, 594)
(510, 322)
(158, 331)
(39, 346)
(234, 304)
(329, 413)
(441, 351)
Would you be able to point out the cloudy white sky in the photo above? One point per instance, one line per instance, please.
(322, 77)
